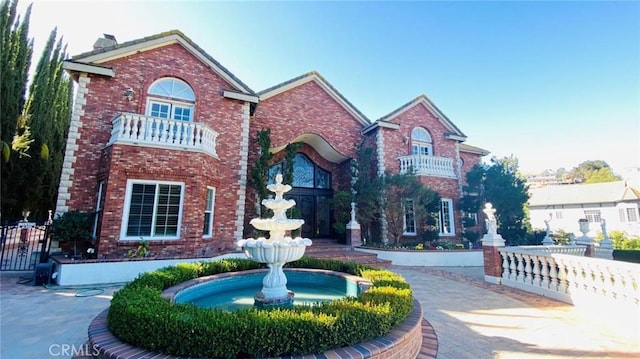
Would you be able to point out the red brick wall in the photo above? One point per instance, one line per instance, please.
(105, 100)
(307, 109)
(469, 160)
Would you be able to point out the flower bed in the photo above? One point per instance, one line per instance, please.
(140, 316)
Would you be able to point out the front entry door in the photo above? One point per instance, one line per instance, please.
(305, 205)
(312, 192)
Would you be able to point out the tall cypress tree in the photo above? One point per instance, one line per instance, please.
(34, 129)
(15, 60)
(48, 114)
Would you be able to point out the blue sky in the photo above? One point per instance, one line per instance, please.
(553, 83)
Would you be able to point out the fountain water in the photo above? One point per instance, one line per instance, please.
(276, 250)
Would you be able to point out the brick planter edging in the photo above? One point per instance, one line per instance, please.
(405, 341)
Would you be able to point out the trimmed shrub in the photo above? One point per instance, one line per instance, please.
(140, 316)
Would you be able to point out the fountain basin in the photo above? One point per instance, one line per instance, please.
(266, 251)
(269, 224)
(232, 291)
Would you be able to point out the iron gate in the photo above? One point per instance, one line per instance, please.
(23, 246)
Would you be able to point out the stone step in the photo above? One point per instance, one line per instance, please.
(330, 249)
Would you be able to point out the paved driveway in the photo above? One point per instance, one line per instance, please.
(472, 319)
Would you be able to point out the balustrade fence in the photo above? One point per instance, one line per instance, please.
(563, 273)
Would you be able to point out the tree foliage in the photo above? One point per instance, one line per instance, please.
(593, 172)
(367, 190)
(259, 175)
(34, 124)
(501, 185)
(404, 192)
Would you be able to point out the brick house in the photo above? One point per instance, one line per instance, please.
(160, 146)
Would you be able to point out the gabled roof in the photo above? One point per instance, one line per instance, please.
(324, 84)
(454, 131)
(108, 53)
(593, 193)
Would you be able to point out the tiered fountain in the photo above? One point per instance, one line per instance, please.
(276, 250)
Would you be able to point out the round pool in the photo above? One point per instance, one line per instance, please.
(231, 291)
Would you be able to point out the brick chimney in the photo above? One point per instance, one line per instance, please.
(106, 41)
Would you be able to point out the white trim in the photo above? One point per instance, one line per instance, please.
(242, 172)
(88, 68)
(380, 124)
(240, 96)
(127, 206)
(160, 42)
(404, 219)
(452, 230)
(212, 211)
(314, 77)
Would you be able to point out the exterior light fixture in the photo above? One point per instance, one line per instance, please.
(129, 93)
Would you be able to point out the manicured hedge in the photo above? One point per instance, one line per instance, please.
(140, 316)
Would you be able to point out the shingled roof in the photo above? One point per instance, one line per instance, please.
(107, 53)
(607, 192)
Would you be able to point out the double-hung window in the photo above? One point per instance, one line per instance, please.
(629, 214)
(592, 215)
(207, 231)
(409, 218)
(153, 210)
(447, 227)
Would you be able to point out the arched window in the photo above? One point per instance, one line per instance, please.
(171, 98)
(306, 174)
(421, 142)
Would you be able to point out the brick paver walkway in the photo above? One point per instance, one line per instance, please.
(471, 318)
(475, 319)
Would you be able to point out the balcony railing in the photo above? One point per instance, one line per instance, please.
(151, 131)
(427, 165)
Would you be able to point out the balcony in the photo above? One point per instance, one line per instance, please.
(427, 166)
(141, 130)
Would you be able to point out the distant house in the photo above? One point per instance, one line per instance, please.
(563, 205)
(162, 141)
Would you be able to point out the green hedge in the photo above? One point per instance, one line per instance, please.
(140, 316)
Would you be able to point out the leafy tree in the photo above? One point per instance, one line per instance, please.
(501, 185)
(15, 60)
(48, 112)
(403, 191)
(260, 170)
(367, 190)
(593, 172)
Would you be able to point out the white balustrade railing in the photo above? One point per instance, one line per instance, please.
(576, 250)
(151, 131)
(427, 165)
(570, 278)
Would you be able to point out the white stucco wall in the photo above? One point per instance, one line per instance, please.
(453, 258)
(565, 217)
(90, 273)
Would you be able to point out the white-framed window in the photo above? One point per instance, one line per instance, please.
(447, 225)
(172, 99)
(558, 215)
(97, 218)
(592, 215)
(209, 206)
(421, 143)
(629, 214)
(409, 218)
(152, 210)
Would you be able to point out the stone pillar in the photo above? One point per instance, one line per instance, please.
(354, 234)
(490, 244)
(492, 258)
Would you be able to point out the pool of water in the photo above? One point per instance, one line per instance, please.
(236, 292)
